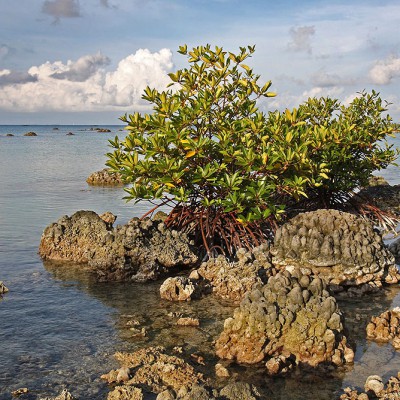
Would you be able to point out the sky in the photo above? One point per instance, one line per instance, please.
(88, 61)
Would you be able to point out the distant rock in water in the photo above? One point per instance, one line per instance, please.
(9, 134)
(341, 248)
(100, 129)
(291, 320)
(3, 288)
(30, 134)
(70, 134)
(105, 178)
(55, 129)
(138, 251)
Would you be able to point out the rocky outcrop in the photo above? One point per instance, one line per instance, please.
(30, 134)
(232, 280)
(105, 178)
(139, 251)
(386, 197)
(3, 288)
(339, 247)
(293, 315)
(375, 389)
(386, 328)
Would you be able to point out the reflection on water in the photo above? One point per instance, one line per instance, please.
(59, 328)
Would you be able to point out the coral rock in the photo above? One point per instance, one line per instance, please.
(290, 315)
(341, 248)
(105, 178)
(232, 280)
(386, 327)
(138, 251)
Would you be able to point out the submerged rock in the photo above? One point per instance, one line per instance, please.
(341, 248)
(292, 315)
(105, 177)
(64, 395)
(156, 370)
(375, 389)
(386, 328)
(139, 251)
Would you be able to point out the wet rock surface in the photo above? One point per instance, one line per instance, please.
(385, 196)
(375, 389)
(386, 328)
(341, 248)
(30, 134)
(139, 251)
(292, 315)
(106, 178)
(232, 280)
(152, 371)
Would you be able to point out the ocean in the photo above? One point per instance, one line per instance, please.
(59, 328)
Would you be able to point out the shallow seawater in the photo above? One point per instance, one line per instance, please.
(59, 328)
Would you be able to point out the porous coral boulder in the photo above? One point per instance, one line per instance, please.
(341, 248)
(386, 328)
(293, 315)
(139, 251)
(105, 177)
(232, 280)
(179, 289)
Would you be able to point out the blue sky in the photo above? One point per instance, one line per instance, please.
(88, 61)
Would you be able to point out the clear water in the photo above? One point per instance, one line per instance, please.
(58, 328)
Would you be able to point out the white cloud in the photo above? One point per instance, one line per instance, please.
(301, 38)
(383, 72)
(120, 89)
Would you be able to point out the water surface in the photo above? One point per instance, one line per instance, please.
(59, 328)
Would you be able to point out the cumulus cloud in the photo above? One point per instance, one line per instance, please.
(82, 69)
(61, 8)
(8, 77)
(84, 85)
(383, 72)
(301, 39)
